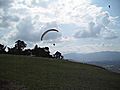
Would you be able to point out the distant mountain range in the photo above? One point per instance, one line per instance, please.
(106, 59)
(97, 56)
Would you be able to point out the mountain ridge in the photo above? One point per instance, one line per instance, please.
(96, 56)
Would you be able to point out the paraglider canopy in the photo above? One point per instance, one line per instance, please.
(47, 32)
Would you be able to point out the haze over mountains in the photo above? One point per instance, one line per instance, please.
(107, 59)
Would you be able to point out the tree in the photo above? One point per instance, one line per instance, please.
(12, 51)
(27, 52)
(35, 51)
(19, 46)
(2, 49)
(41, 52)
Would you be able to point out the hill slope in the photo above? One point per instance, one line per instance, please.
(42, 74)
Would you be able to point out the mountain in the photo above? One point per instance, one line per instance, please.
(106, 59)
(97, 56)
(110, 65)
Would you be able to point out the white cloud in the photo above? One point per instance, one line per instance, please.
(69, 11)
(10, 18)
(92, 30)
(109, 34)
(5, 3)
(99, 28)
(28, 19)
(28, 30)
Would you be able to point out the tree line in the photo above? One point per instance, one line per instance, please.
(19, 49)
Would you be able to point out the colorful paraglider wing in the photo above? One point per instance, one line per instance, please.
(47, 32)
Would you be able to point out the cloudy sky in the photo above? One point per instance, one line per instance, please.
(84, 25)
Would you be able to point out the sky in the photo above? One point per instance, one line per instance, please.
(84, 25)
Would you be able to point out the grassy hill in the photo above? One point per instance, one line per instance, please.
(35, 73)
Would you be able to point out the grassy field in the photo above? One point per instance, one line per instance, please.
(35, 73)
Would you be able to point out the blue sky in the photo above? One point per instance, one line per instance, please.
(84, 25)
(115, 5)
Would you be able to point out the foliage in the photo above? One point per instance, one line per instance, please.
(2, 49)
(18, 49)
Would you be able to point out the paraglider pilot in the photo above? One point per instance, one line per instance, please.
(58, 55)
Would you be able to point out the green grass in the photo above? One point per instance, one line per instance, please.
(50, 74)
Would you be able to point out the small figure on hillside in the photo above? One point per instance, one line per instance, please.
(58, 55)
(62, 57)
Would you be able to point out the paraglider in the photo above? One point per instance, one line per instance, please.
(54, 44)
(109, 3)
(47, 32)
